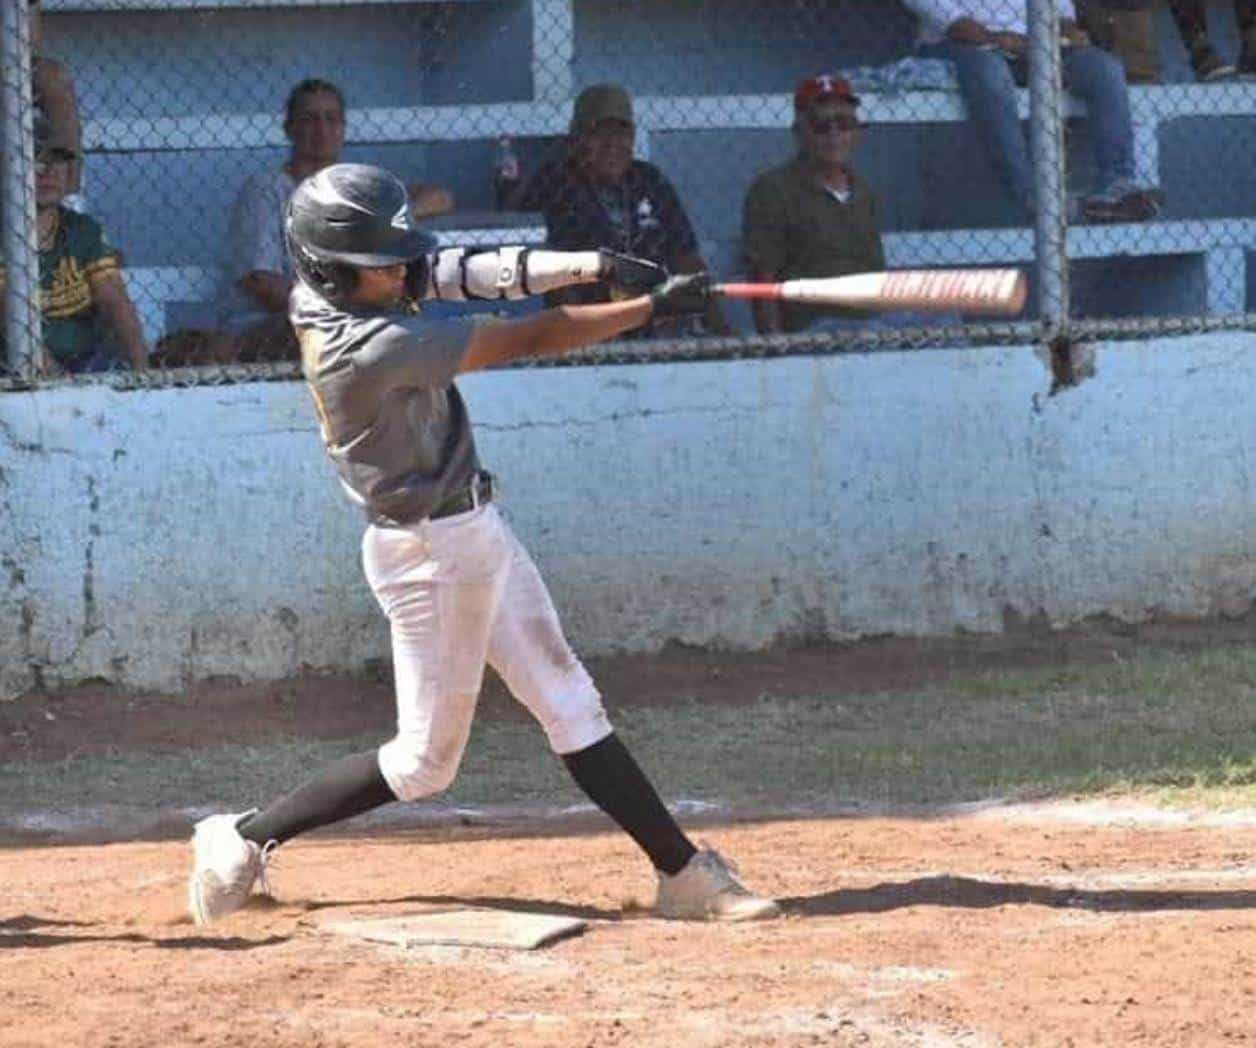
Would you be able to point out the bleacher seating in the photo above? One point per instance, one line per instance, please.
(171, 297)
(569, 45)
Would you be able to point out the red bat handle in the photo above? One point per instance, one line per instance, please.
(770, 291)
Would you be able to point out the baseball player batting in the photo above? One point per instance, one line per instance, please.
(458, 588)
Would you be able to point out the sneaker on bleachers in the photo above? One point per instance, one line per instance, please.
(1247, 62)
(1123, 203)
(1209, 66)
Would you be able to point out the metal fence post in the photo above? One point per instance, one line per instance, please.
(22, 317)
(1046, 135)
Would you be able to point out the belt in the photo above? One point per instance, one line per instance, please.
(478, 491)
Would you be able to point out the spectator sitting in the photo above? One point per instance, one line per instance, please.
(1191, 17)
(53, 91)
(599, 196)
(1127, 28)
(258, 276)
(80, 278)
(813, 216)
(983, 38)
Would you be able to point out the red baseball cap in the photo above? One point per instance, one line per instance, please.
(822, 89)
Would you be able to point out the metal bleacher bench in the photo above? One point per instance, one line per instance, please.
(1223, 242)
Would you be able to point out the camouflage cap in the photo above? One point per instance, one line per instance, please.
(601, 102)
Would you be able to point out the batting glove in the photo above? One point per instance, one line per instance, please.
(682, 295)
(636, 276)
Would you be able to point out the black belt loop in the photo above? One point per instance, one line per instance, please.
(481, 488)
(478, 491)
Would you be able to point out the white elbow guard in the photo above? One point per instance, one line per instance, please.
(459, 274)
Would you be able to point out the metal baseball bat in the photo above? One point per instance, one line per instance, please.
(1000, 292)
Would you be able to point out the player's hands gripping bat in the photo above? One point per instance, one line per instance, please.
(628, 274)
(683, 295)
(460, 274)
(987, 291)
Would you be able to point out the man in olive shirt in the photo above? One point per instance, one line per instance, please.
(814, 216)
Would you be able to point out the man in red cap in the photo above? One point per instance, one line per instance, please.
(813, 216)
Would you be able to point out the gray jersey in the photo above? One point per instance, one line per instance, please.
(391, 418)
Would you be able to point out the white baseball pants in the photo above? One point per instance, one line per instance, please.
(459, 592)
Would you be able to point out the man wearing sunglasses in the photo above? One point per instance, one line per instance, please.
(88, 317)
(53, 89)
(813, 216)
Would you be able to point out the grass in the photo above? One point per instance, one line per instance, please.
(1170, 728)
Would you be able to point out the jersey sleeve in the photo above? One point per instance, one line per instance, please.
(681, 239)
(410, 352)
(764, 229)
(537, 193)
(92, 248)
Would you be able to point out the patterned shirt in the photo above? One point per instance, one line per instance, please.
(642, 216)
(1000, 16)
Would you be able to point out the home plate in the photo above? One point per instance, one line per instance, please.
(469, 927)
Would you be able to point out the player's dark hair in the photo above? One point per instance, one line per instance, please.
(310, 86)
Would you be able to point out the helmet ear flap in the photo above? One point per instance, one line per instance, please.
(333, 280)
(347, 216)
(343, 278)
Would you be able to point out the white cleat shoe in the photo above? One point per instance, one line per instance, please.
(225, 867)
(707, 889)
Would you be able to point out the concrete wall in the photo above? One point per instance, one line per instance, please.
(152, 538)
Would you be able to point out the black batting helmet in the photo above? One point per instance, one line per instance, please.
(347, 217)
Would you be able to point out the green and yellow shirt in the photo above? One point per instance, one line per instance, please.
(79, 254)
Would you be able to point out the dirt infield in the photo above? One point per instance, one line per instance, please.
(981, 929)
(1063, 923)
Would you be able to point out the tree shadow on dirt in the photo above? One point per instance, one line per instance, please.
(969, 893)
(26, 932)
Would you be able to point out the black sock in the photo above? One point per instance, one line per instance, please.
(350, 786)
(617, 785)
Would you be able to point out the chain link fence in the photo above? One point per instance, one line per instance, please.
(171, 131)
(19, 281)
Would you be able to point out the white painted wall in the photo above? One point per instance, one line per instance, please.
(152, 538)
